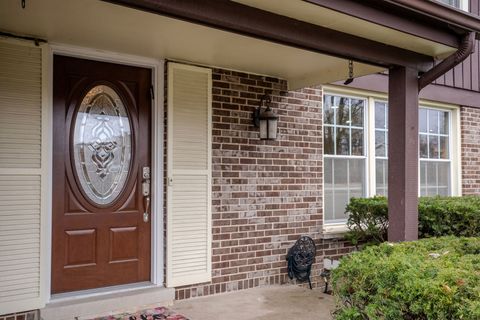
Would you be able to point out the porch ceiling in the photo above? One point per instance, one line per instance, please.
(329, 18)
(103, 26)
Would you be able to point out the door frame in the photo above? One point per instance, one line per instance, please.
(157, 150)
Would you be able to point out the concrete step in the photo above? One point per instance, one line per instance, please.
(103, 302)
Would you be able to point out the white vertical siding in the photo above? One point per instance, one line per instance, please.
(20, 176)
(189, 174)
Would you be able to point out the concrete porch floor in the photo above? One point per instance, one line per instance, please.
(265, 303)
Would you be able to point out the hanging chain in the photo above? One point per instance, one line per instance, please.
(350, 73)
(23, 4)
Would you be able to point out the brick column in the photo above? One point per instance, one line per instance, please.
(403, 155)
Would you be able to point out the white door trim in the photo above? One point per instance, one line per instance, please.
(157, 67)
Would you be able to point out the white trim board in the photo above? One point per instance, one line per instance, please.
(47, 156)
(157, 67)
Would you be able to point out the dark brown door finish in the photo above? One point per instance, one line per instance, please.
(101, 143)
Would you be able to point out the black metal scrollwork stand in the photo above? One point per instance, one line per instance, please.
(300, 258)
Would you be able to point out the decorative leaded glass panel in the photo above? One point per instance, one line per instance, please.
(102, 145)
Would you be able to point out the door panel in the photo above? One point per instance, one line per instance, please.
(101, 144)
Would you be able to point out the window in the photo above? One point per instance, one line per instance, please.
(459, 4)
(356, 151)
(344, 154)
(434, 145)
(381, 145)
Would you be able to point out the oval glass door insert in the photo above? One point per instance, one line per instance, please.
(102, 145)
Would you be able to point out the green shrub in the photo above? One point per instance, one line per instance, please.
(442, 216)
(367, 220)
(430, 279)
(438, 216)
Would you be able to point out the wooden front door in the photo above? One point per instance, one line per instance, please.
(101, 160)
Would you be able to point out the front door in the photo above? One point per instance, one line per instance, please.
(101, 162)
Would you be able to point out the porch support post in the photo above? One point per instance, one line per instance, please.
(403, 154)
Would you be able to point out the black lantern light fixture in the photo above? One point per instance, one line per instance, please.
(266, 119)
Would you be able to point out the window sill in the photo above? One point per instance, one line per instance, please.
(334, 231)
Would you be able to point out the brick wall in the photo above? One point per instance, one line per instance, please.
(470, 135)
(266, 194)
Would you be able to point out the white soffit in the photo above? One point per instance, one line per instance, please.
(104, 26)
(324, 17)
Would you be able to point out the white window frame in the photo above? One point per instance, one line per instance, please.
(454, 145)
(366, 122)
(370, 173)
(372, 160)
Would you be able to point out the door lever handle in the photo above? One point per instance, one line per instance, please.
(146, 215)
(146, 192)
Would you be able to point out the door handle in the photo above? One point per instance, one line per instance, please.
(146, 215)
(146, 193)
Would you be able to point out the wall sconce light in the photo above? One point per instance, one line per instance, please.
(266, 119)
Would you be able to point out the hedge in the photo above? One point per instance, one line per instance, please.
(438, 216)
(429, 279)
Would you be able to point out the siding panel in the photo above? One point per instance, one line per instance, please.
(458, 77)
(449, 79)
(467, 74)
(475, 66)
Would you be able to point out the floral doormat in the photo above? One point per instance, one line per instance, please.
(160, 313)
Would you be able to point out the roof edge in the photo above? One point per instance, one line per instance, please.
(434, 9)
(385, 15)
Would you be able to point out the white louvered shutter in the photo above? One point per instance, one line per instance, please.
(20, 176)
(189, 174)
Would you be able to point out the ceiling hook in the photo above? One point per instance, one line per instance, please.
(23, 4)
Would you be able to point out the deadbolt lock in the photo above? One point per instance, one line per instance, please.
(146, 173)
